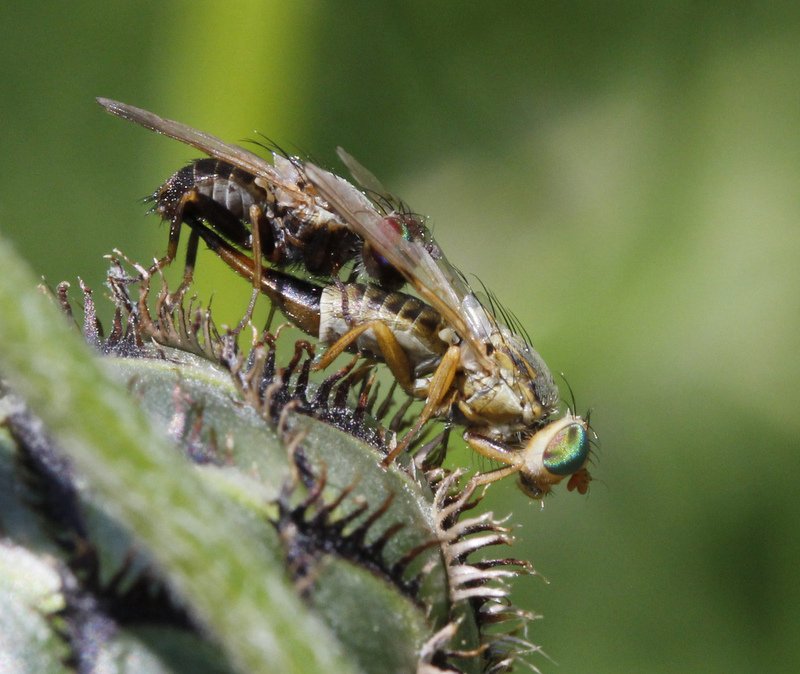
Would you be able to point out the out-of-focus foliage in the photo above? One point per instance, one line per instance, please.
(624, 179)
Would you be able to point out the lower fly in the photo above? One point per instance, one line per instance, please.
(414, 341)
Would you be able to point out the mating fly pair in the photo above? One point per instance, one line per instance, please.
(443, 347)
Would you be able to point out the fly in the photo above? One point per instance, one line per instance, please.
(497, 383)
(414, 340)
(268, 209)
(242, 211)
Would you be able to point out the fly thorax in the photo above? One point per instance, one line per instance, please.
(489, 400)
(527, 373)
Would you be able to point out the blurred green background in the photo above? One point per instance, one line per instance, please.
(625, 178)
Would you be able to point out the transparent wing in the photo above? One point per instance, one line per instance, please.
(412, 224)
(362, 175)
(205, 142)
(284, 175)
(437, 282)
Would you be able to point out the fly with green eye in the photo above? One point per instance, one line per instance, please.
(488, 377)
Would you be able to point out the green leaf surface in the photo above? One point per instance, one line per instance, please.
(227, 575)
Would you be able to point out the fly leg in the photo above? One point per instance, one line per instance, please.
(258, 224)
(256, 217)
(439, 390)
(439, 395)
(191, 208)
(393, 354)
(298, 300)
(188, 202)
(495, 451)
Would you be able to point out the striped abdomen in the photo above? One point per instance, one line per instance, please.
(414, 324)
(222, 196)
(224, 184)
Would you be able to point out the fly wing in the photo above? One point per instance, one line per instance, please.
(205, 142)
(437, 282)
(413, 225)
(363, 175)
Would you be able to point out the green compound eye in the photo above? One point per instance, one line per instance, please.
(566, 453)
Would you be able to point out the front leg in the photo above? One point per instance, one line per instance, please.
(540, 461)
(440, 394)
(392, 352)
(494, 450)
